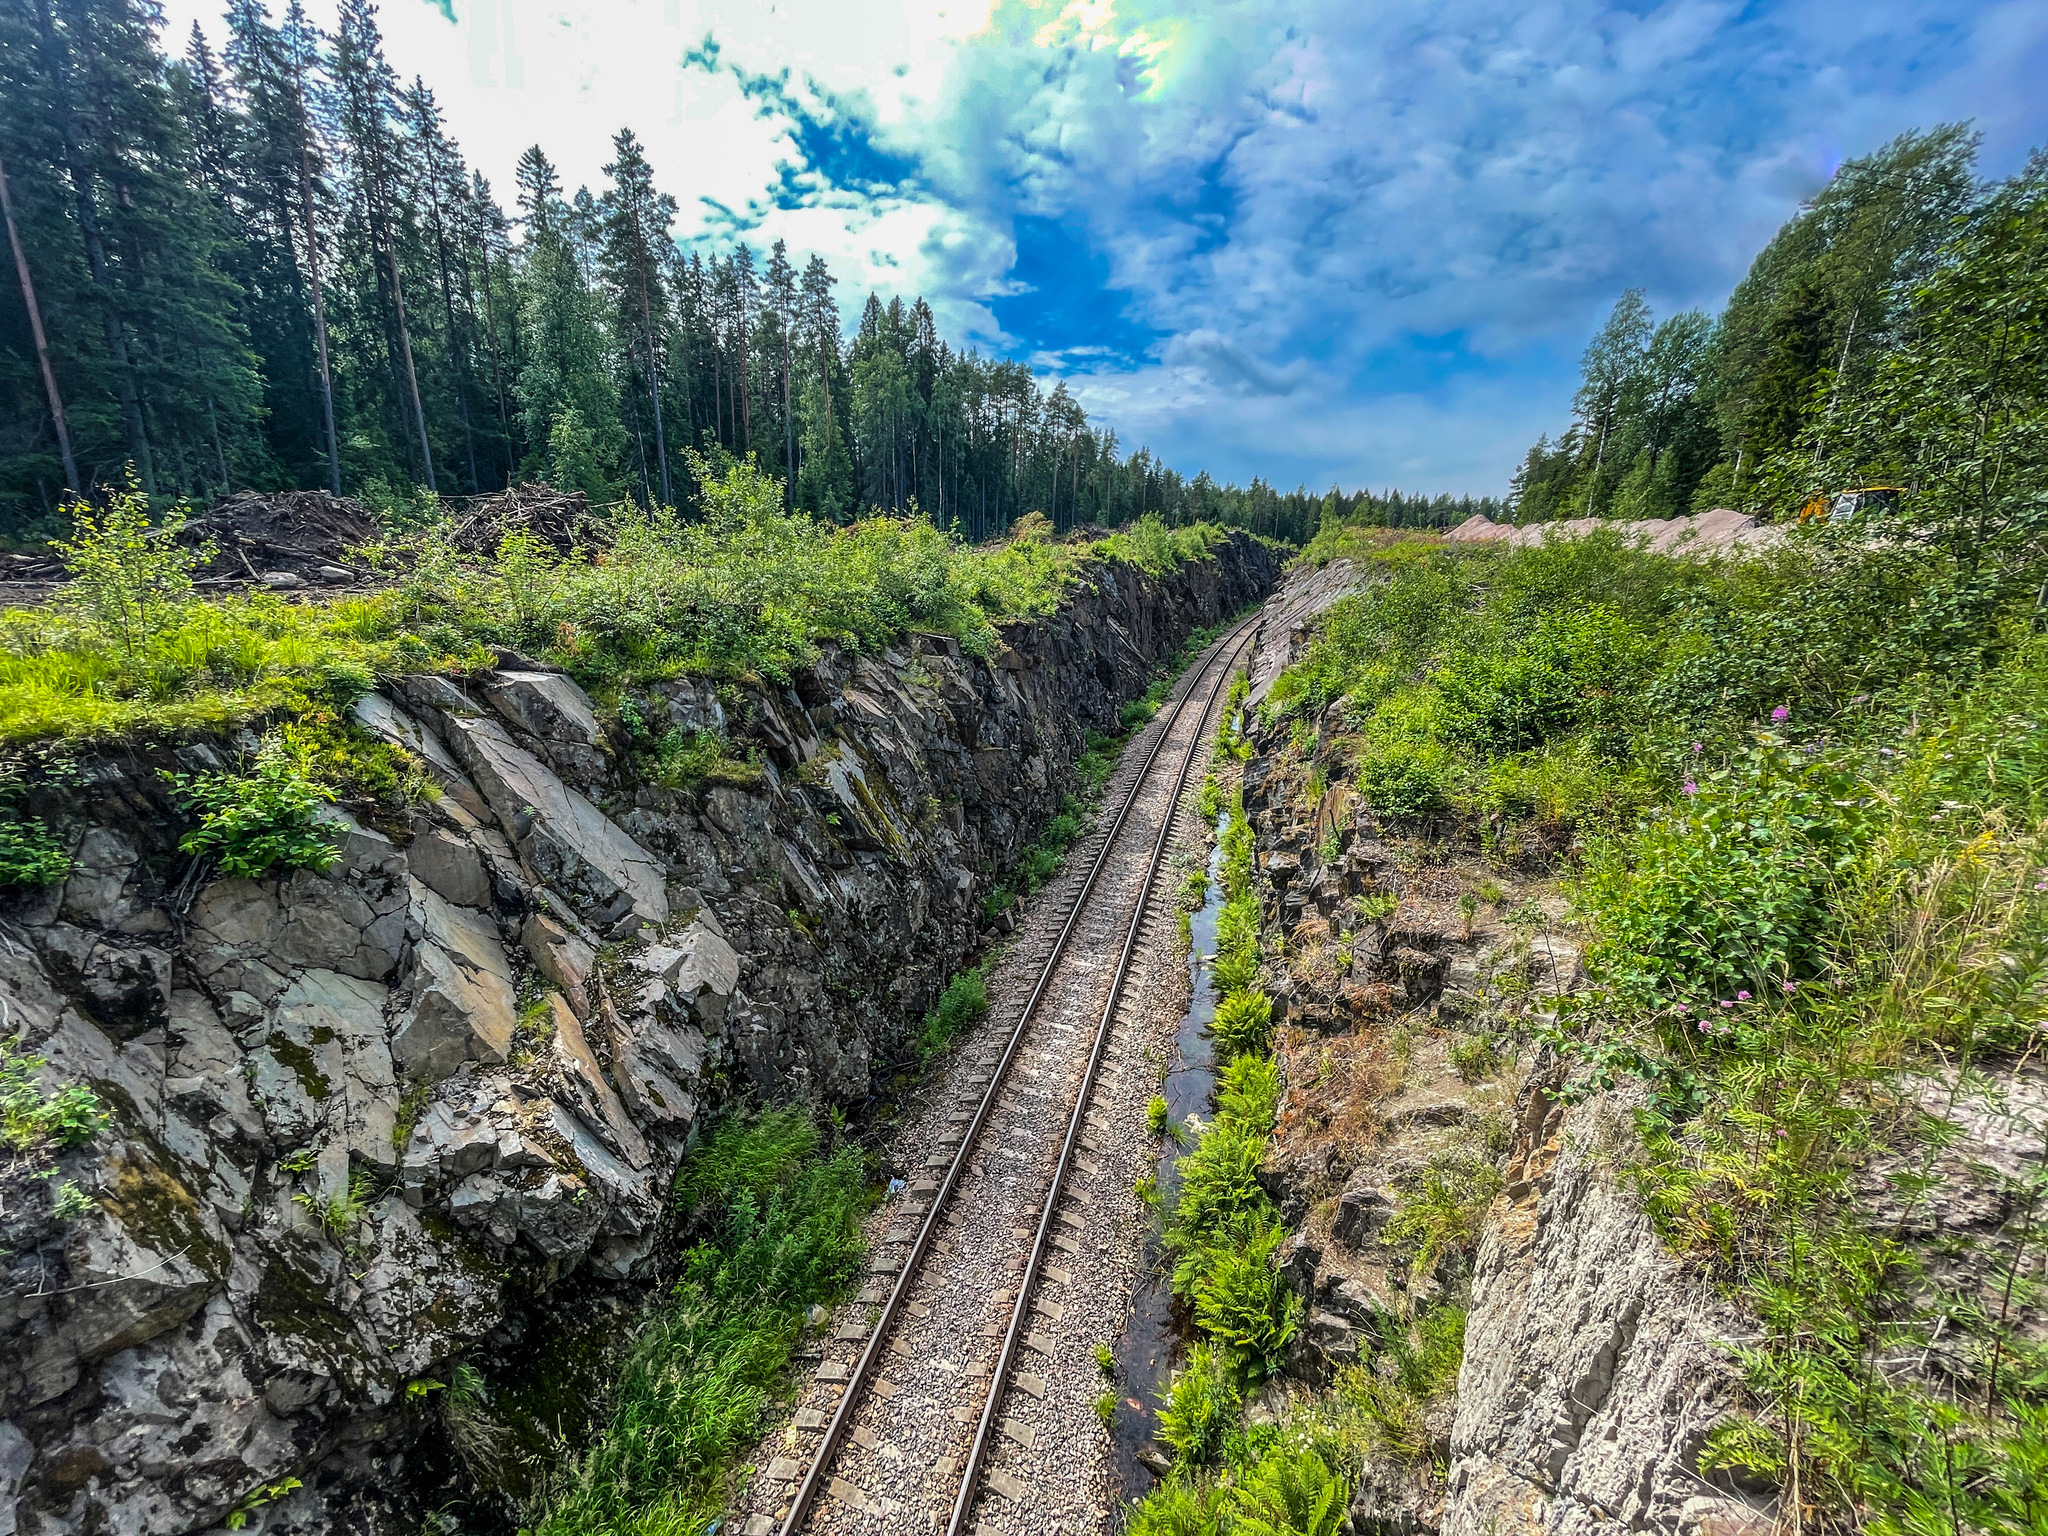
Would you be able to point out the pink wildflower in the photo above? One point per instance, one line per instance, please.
(1691, 788)
(1742, 997)
(1781, 714)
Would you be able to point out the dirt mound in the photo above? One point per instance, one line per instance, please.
(560, 519)
(269, 537)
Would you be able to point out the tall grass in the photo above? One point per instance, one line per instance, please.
(780, 1215)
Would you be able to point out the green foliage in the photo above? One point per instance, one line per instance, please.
(268, 1493)
(29, 855)
(68, 1202)
(964, 1000)
(354, 764)
(1248, 1093)
(1236, 971)
(1157, 549)
(747, 588)
(1243, 1024)
(128, 579)
(1198, 1410)
(1380, 1407)
(1772, 954)
(1291, 1493)
(1181, 1506)
(1725, 894)
(1440, 1212)
(691, 759)
(1562, 672)
(337, 1214)
(1157, 1115)
(1241, 1302)
(253, 823)
(1474, 1058)
(1270, 1483)
(208, 666)
(31, 1118)
(779, 1218)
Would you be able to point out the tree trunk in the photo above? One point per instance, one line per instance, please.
(746, 394)
(454, 341)
(654, 389)
(497, 374)
(412, 378)
(313, 276)
(96, 258)
(35, 325)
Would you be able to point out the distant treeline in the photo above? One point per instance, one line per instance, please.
(272, 268)
(1693, 412)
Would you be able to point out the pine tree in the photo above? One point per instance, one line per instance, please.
(781, 308)
(637, 220)
(564, 368)
(364, 95)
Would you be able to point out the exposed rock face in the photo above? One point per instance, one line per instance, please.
(1595, 1365)
(337, 1134)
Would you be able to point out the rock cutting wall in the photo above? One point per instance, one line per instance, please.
(356, 1115)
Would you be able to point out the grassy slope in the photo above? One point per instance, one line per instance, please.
(746, 590)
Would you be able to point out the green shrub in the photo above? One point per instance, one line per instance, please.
(1219, 1180)
(1726, 894)
(1381, 1405)
(1235, 972)
(1442, 1212)
(1405, 780)
(1474, 1058)
(260, 821)
(1181, 1506)
(29, 855)
(30, 1117)
(128, 579)
(964, 1000)
(1248, 1093)
(1237, 926)
(1243, 1023)
(1291, 1492)
(1242, 1302)
(1198, 1410)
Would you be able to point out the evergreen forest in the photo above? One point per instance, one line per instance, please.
(271, 268)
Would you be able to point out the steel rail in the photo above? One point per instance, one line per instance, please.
(970, 1476)
(858, 1377)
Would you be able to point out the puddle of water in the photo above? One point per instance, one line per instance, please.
(1153, 1336)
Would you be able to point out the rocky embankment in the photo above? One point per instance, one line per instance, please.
(362, 1117)
(1594, 1365)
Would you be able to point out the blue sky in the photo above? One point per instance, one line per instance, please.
(1321, 241)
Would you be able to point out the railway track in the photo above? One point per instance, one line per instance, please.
(890, 1452)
